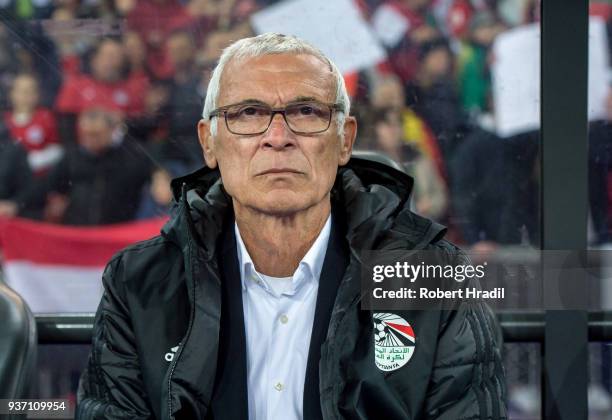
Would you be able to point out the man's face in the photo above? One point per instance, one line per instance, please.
(24, 94)
(389, 93)
(277, 172)
(134, 48)
(437, 64)
(180, 49)
(108, 61)
(95, 127)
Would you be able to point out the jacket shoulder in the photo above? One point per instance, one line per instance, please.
(152, 246)
(413, 231)
(448, 251)
(143, 261)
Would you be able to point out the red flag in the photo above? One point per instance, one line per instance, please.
(58, 268)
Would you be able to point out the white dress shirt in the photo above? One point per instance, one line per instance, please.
(278, 317)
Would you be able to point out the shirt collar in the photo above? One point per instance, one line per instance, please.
(312, 262)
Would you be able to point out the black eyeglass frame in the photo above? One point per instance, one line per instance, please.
(273, 111)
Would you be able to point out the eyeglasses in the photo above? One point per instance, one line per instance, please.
(251, 119)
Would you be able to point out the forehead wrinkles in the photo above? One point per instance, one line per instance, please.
(281, 77)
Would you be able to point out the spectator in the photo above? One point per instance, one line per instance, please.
(24, 48)
(215, 42)
(8, 65)
(157, 196)
(68, 43)
(475, 173)
(15, 175)
(100, 180)
(223, 14)
(185, 101)
(403, 45)
(151, 128)
(432, 94)
(473, 72)
(108, 82)
(33, 126)
(136, 53)
(388, 93)
(483, 212)
(154, 20)
(430, 196)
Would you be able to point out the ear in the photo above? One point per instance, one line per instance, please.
(207, 143)
(348, 140)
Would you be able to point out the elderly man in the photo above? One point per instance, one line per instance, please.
(248, 304)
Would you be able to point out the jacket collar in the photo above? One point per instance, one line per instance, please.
(310, 265)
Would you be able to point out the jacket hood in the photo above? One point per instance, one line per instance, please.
(367, 198)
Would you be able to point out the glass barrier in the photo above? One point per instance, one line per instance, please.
(600, 193)
(100, 101)
(600, 130)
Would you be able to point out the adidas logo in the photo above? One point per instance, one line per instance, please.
(170, 355)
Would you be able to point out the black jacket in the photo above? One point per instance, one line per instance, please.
(161, 327)
(101, 189)
(15, 173)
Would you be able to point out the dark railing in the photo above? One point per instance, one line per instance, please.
(64, 328)
(517, 327)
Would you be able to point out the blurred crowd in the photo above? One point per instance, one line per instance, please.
(100, 98)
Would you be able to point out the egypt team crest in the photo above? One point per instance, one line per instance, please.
(394, 341)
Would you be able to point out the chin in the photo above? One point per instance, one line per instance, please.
(282, 203)
(281, 209)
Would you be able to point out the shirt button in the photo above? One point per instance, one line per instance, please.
(284, 319)
(278, 387)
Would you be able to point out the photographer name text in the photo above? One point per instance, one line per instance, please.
(437, 293)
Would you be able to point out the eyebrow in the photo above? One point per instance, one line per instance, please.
(246, 102)
(252, 101)
(304, 99)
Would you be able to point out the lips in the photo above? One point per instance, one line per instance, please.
(279, 171)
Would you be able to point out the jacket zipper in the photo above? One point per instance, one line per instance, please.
(192, 314)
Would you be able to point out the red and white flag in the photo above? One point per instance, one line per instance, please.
(59, 268)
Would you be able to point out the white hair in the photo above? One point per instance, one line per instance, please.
(267, 44)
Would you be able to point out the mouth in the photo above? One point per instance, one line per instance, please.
(279, 171)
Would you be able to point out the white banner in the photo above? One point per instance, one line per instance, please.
(335, 27)
(516, 77)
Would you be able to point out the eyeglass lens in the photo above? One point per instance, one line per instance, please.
(310, 117)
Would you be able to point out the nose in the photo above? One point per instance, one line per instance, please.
(278, 136)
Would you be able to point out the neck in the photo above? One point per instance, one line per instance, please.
(277, 244)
